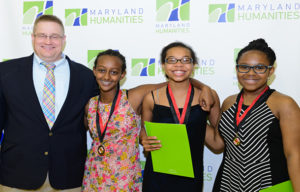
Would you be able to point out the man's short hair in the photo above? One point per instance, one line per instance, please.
(51, 18)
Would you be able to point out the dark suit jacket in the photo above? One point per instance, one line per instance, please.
(30, 149)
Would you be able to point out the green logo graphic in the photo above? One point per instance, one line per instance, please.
(92, 54)
(236, 52)
(143, 67)
(172, 10)
(221, 13)
(76, 17)
(34, 9)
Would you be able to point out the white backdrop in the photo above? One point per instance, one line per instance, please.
(139, 29)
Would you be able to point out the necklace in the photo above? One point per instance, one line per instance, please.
(187, 105)
(101, 128)
(239, 118)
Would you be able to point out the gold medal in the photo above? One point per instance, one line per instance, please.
(236, 141)
(101, 150)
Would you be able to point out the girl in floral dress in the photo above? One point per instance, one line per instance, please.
(118, 169)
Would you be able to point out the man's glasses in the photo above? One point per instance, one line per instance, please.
(43, 36)
(183, 60)
(259, 69)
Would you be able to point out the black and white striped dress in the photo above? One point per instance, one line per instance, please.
(259, 161)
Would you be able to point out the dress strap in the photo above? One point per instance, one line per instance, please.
(156, 96)
(153, 96)
(264, 97)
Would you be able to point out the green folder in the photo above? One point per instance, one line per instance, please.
(281, 187)
(174, 157)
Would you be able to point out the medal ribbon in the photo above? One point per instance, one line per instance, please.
(187, 105)
(240, 118)
(100, 127)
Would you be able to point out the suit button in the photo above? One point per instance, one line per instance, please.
(50, 134)
(46, 153)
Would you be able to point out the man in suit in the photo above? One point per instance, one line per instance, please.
(42, 99)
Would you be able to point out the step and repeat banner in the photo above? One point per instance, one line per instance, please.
(139, 29)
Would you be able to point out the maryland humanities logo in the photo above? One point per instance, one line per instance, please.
(254, 11)
(116, 16)
(85, 16)
(205, 67)
(172, 10)
(172, 16)
(221, 13)
(76, 17)
(34, 9)
(143, 67)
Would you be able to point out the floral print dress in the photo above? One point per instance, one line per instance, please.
(119, 168)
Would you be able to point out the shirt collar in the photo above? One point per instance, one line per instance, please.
(57, 63)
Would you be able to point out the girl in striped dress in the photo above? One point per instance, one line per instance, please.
(260, 128)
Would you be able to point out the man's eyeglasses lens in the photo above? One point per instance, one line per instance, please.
(51, 37)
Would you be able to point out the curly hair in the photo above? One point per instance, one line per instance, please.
(111, 52)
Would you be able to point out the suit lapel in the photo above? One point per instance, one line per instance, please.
(73, 93)
(28, 90)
